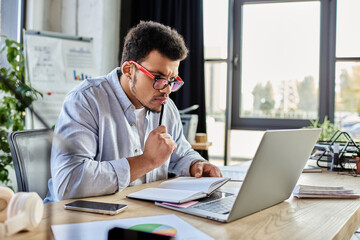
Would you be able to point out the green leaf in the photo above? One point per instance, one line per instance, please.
(12, 111)
(327, 129)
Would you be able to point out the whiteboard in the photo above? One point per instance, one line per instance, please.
(55, 64)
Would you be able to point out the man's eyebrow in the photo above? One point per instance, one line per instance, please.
(158, 73)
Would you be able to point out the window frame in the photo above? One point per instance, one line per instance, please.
(326, 71)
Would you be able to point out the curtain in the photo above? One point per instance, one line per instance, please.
(186, 16)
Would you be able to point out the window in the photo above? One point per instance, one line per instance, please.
(347, 67)
(290, 62)
(277, 81)
(10, 19)
(0, 15)
(280, 60)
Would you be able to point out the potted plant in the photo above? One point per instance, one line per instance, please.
(12, 111)
(327, 129)
(356, 157)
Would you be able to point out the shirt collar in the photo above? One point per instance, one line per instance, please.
(120, 94)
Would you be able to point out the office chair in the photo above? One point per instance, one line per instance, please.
(30, 151)
(189, 122)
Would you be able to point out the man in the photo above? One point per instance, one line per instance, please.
(110, 124)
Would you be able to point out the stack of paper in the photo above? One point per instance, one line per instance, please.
(306, 191)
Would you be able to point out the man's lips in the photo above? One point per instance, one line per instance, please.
(161, 99)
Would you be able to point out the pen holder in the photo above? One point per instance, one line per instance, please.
(357, 162)
(201, 137)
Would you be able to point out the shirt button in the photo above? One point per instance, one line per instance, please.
(136, 150)
(132, 124)
(131, 107)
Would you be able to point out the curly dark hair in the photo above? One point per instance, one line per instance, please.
(148, 36)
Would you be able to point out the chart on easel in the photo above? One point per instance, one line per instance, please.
(55, 64)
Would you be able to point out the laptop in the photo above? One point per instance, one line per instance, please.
(272, 175)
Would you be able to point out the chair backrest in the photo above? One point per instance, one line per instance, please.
(30, 150)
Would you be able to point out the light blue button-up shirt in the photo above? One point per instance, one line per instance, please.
(98, 124)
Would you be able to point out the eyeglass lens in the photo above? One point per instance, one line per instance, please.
(163, 83)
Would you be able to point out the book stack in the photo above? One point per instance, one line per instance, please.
(306, 191)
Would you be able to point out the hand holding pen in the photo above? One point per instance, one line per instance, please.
(159, 145)
(161, 114)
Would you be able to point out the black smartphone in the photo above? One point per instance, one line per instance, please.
(96, 207)
(123, 233)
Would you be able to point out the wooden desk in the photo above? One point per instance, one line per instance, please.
(291, 219)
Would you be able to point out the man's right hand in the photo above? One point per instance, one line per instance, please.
(158, 147)
(157, 150)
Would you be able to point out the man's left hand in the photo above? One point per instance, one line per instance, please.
(204, 169)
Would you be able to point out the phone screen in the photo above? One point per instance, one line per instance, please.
(97, 207)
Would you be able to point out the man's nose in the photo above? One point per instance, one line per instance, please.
(166, 90)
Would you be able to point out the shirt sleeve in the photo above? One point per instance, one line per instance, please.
(184, 156)
(76, 167)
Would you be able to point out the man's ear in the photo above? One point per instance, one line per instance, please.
(126, 69)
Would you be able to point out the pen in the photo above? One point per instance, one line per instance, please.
(161, 114)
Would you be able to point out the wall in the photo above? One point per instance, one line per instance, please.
(99, 19)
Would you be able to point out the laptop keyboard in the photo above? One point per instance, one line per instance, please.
(222, 206)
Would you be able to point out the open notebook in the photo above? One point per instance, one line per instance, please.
(181, 189)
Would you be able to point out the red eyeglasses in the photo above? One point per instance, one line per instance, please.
(161, 83)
